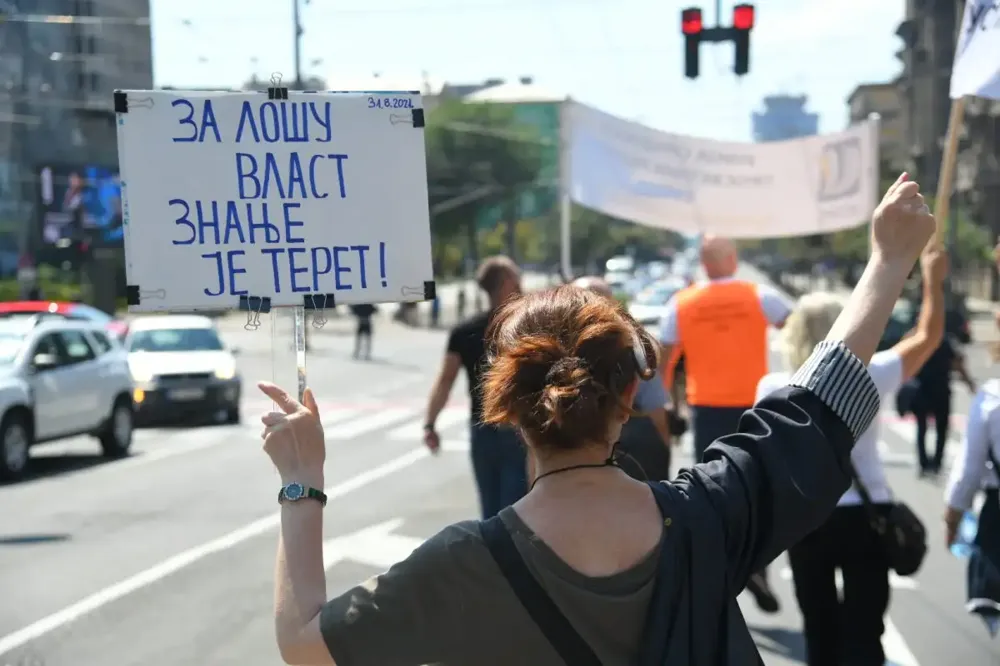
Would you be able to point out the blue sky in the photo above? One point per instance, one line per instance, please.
(622, 56)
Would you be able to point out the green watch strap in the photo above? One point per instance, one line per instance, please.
(317, 495)
(294, 492)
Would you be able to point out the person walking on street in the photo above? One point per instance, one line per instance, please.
(647, 439)
(720, 327)
(932, 399)
(847, 627)
(593, 566)
(498, 460)
(363, 334)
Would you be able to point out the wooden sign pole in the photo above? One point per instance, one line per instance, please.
(946, 177)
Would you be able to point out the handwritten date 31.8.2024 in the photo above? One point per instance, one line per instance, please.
(390, 103)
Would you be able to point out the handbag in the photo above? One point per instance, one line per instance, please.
(664, 606)
(907, 396)
(901, 531)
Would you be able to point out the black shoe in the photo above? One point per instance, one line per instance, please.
(762, 594)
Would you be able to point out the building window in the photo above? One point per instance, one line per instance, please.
(95, 81)
(81, 81)
(91, 44)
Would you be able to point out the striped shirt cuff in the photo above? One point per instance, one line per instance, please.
(839, 378)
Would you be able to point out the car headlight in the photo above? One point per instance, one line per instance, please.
(141, 375)
(225, 371)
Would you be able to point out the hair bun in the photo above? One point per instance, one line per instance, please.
(564, 371)
(568, 386)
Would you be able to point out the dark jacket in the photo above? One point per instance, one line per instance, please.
(766, 487)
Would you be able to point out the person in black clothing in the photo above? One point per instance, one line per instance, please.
(363, 335)
(646, 438)
(932, 399)
(498, 460)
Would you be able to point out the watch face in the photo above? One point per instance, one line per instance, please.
(294, 491)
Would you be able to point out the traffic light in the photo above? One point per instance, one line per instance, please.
(691, 27)
(743, 17)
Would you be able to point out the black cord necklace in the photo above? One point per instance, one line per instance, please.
(612, 461)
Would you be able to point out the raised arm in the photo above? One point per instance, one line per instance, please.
(917, 347)
(780, 476)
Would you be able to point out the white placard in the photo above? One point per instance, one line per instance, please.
(230, 194)
(977, 56)
(799, 187)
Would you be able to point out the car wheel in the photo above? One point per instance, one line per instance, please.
(233, 415)
(116, 438)
(15, 440)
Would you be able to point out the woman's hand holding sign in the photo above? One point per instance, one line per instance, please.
(293, 437)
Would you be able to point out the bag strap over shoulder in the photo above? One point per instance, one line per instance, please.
(572, 648)
(866, 498)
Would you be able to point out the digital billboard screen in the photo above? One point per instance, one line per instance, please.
(80, 202)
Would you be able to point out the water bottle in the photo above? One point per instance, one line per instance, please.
(966, 536)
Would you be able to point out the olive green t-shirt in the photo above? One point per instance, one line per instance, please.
(448, 603)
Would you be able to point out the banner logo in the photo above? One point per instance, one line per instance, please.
(840, 169)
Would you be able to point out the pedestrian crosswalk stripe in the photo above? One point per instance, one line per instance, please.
(337, 416)
(373, 421)
(414, 430)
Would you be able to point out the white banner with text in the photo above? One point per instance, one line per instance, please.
(805, 186)
(977, 57)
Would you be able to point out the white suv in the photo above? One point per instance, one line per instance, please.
(59, 379)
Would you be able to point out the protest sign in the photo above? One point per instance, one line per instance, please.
(799, 187)
(234, 196)
(976, 69)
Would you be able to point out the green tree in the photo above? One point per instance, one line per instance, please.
(478, 155)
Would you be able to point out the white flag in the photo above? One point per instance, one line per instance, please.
(977, 58)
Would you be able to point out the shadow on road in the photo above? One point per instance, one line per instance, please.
(782, 642)
(43, 466)
(32, 539)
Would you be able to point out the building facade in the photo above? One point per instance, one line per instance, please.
(784, 117)
(928, 33)
(56, 113)
(885, 100)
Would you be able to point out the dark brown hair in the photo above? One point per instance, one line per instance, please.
(559, 363)
(493, 271)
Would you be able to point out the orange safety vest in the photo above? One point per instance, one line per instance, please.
(722, 330)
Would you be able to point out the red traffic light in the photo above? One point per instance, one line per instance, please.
(691, 23)
(743, 16)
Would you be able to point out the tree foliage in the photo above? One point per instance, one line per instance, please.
(477, 156)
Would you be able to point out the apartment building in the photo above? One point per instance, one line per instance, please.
(884, 99)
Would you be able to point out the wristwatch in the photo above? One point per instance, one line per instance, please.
(294, 492)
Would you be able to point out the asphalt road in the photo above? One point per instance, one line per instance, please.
(167, 557)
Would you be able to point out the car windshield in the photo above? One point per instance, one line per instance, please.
(10, 346)
(175, 340)
(89, 313)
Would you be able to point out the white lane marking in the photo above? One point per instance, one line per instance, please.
(456, 445)
(897, 652)
(375, 546)
(414, 430)
(335, 416)
(360, 426)
(190, 556)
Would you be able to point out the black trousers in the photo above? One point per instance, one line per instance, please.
(845, 630)
(936, 404)
(710, 423)
(646, 457)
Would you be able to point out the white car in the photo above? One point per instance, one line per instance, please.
(182, 369)
(650, 304)
(58, 379)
